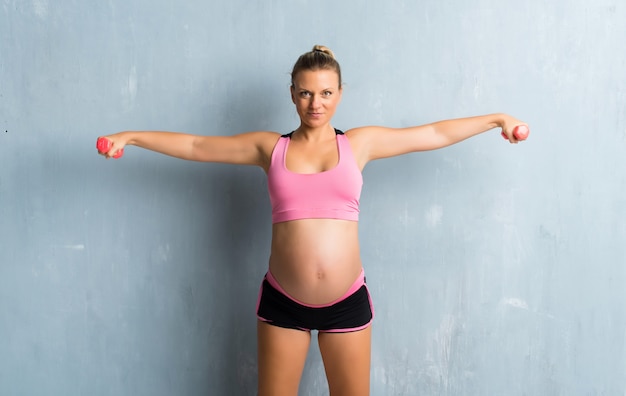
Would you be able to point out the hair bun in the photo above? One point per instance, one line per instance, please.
(323, 49)
(319, 58)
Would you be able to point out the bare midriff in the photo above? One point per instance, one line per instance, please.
(315, 260)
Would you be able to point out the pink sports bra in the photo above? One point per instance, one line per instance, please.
(332, 194)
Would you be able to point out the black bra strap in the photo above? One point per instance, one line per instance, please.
(337, 132)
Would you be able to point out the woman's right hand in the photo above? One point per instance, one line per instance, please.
(111, 146)
(251, 148)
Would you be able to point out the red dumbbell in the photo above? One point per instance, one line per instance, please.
(104, 145)
(520, 132)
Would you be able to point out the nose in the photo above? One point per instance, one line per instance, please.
(315, 102)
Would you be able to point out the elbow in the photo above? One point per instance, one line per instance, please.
(194, 151)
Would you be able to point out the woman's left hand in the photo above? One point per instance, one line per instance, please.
(514, 130)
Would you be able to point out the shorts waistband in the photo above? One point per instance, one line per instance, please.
(358, 283)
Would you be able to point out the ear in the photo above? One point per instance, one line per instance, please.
(292, 92)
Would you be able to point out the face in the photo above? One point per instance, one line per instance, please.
(316, 95)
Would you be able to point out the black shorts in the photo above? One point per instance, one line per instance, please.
(352, 312)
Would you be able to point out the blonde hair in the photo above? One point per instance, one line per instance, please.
(319, 58)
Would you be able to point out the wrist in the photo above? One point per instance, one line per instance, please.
(128, 137)
(498, 120)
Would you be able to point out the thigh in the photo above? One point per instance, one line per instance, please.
(281, 357)
(346, 359)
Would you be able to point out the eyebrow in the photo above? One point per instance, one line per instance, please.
(308, 90)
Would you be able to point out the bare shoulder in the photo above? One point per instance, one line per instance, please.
(264, 140)
(363, 136)
(361, 140)
(367, 132)
(259, 135)
(249, 148)
(258, 139)
(375, 142)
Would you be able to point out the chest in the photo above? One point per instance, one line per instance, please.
(306, 158)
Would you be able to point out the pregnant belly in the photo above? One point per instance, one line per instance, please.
(315, 260)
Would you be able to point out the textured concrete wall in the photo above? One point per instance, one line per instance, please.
(495, 269)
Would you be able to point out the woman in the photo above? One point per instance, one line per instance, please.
(315, 278)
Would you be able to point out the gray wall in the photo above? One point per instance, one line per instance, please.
(495, 269)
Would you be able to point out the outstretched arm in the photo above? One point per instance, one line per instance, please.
(381, 142)
(244, 149)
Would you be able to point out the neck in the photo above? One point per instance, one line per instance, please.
(315, 134)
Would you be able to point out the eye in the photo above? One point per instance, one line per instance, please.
(327, 93)
(305, 94)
